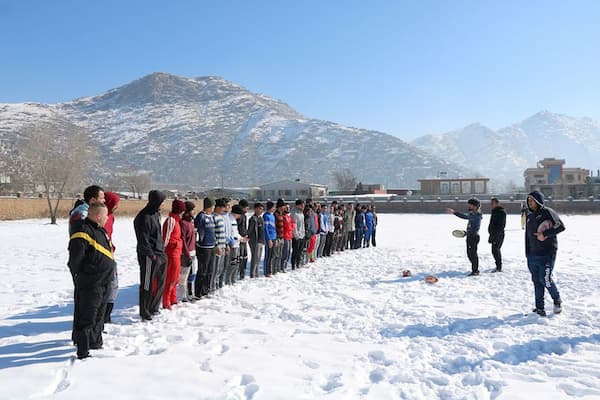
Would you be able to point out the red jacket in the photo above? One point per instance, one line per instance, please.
(288, 227)
(188, 236)
(171, 233)
(111, 201)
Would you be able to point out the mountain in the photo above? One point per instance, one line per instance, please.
(504, 154)
(202, 131)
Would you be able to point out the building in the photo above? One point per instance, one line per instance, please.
(553, 179)
(456, 187)
(291, 190)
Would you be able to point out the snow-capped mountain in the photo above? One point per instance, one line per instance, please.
(202, 131)
(505, 154)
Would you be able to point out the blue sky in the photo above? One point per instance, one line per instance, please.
(403, 67)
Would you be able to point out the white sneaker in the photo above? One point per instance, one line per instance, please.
(558, 307)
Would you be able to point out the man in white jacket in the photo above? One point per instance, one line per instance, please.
(299, 234)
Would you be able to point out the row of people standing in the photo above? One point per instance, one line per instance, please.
(192, 256)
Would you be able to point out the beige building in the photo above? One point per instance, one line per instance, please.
(291, 190)
(458, 186)
(553, 179)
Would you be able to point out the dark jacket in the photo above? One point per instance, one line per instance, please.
(256, 230)
(147, 226)
(188, 235)
(242, 225)
(497, 222)
(474, 221)
(534, 219)
(359, 220)
(91, 259)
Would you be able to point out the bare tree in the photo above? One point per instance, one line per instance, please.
(55, 157)
(344, 179)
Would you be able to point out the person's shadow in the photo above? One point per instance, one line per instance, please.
(52, 319)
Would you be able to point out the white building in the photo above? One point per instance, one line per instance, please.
(291, 190)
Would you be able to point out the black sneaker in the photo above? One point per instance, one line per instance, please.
(475, 273)
(497, 270)
(539, 312)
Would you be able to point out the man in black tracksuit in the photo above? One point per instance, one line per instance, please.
(92, 265)
(474, 216)
(496, 231)
(151, 255)
(242, 226)
(541, 245)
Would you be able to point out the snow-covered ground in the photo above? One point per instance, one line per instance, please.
(347, 327)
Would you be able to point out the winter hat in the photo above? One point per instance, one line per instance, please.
(474, 201)
(237, 209)
(243, 203)
(208, 203)
(538, 197)
(280, 203)
(177, 206)
(111, 200)
(189, 206)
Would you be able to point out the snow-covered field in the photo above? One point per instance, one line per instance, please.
(347, 327)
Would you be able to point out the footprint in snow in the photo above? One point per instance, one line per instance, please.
(333, 382)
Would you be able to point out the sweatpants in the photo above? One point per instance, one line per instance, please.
(373, 241)
(541, 268)
(89, 318)
(268, 259)
(472, 242)
(297, 246)
(497, 242)
(224, 268)
(218, 271)
(312, 246)
(256, 252)
(367, 237)
(328, 244)
(189, 268)
(243, 260)
(322, 242)
(277, 255)
(358, 240)
(206, 270)
(172, 278)
(350, 240)
(152, 283)
(286, 251)
(232, 268)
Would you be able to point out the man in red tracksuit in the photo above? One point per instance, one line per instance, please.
(171, 232)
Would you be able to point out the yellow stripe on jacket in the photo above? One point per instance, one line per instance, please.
(93, 243)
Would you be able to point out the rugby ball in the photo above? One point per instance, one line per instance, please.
(431, 279)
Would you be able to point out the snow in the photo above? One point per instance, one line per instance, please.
(347, 327)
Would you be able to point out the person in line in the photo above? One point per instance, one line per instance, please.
(206, 248)
(361, 226)
(222, 248)
(298, 234)
(496, 231)
(375, 222)
(173, 243)
(541, 245)
(242, 224)
(270, 238)
(328, 249)
(92, 264)
(111, 201)
(189, 263)
(279, 229)
(369, 221)
(474, 217)
(288, 235)
(349, 226)
(256, 238)
(233, 268)
(151, 255)
(91, 195)
(309, 232)
(323, 230)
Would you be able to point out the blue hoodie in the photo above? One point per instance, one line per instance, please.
(474, 224)
(534, 219)
(270, 230)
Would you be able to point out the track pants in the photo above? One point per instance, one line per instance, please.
(472, 242)
(152, 283)
(541, 268)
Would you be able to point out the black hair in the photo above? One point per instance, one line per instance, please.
(91, 192)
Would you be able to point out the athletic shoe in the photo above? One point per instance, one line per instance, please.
(539, 312)
(557, 307)
(476, 273)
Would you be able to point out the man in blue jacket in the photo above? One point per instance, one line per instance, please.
(541, 245)
(270, 237)
(474, 217)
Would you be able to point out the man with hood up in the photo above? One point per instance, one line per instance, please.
(474, 217)
(151, 255)
(541, 245)
(496, 231)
